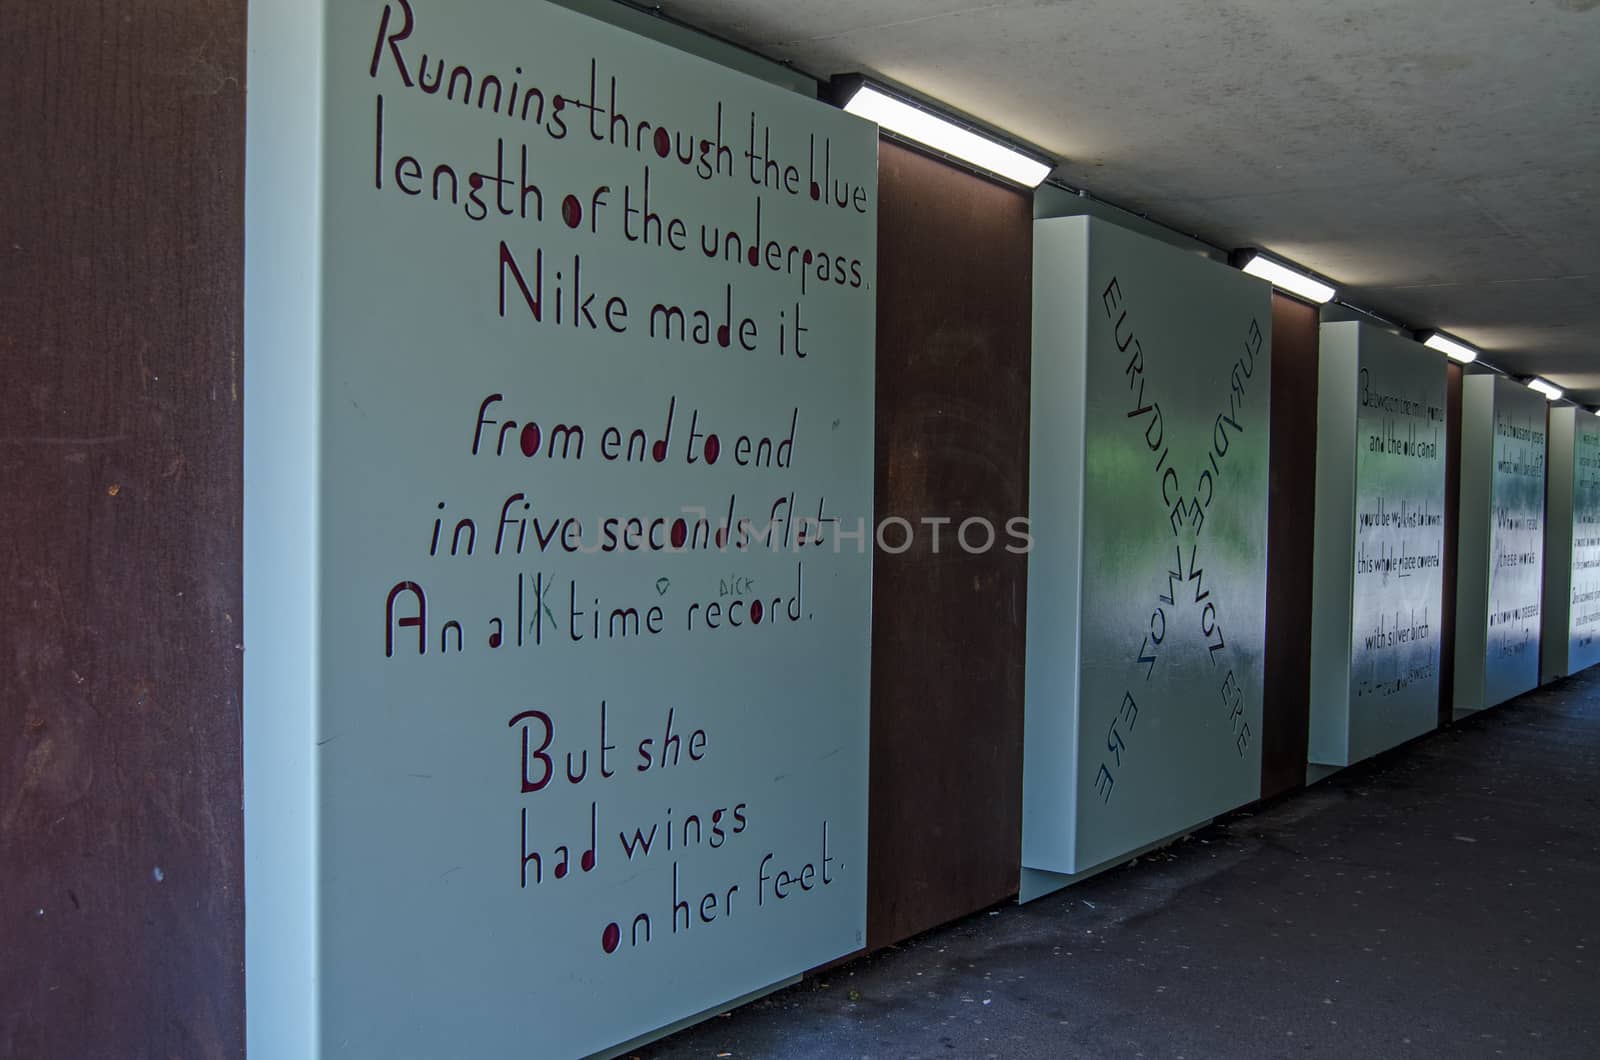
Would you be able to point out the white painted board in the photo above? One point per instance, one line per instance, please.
(559, 397)
(1572, 544)
(1379, 542)
(1147, 580)
(1499, 581)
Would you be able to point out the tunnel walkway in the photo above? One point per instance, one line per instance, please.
(1442, 900)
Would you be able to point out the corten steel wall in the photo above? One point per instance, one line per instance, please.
(120, 310)
(954, 339)
(1452, 527)
(1286, 707)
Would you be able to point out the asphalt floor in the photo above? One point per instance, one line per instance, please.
(1441, 900)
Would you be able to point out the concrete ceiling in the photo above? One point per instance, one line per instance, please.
(1440, 159)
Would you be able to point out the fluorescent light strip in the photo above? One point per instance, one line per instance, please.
(932, 130)
(1548, 389)
(1280, 275)
(1456, 351)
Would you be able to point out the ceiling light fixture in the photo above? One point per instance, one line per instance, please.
(1285, 277)
(1545, 387)
(917, 123)
(1452, 348)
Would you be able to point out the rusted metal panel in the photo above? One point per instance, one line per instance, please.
(1452, 528)
(1286, 709)
(120, 324)
(955, 260)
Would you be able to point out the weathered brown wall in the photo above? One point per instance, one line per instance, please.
(1452, 528)
(121, 236)
(1286, 710)
(954, 348)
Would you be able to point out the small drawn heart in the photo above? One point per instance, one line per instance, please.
(662, 585)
